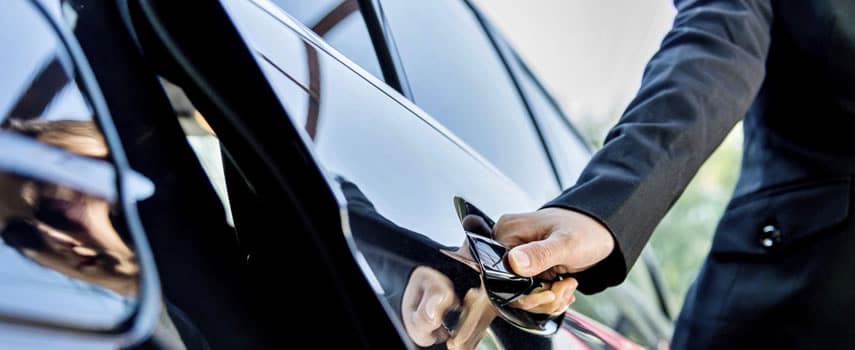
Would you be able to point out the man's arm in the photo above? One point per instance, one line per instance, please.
(695, 88)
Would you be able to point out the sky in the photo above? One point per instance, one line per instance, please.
(589, 53)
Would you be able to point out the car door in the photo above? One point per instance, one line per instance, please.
(455, 35)
(399, 169)
(320, 156)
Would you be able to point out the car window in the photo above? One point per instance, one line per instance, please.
(458, 77)
(277, 52)
(66, 258)
(569, 152)
(341, 24)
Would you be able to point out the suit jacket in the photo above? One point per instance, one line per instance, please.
(788, 68)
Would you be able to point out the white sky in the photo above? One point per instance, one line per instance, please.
(589, 53)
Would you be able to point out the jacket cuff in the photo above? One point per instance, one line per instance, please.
(610, 271)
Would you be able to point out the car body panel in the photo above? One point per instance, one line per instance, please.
(371, 182)
(399, 172)
(640, 318)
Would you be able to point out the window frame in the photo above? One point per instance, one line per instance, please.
(384, 46)
(379, 26)
(521, 68)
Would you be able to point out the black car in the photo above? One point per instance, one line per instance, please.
(244, 173)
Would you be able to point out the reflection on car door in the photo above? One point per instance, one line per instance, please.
(400, 171)
(457, 76)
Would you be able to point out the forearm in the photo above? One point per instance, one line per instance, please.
(697, 86)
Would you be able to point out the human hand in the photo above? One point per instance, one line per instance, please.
(550, 242)
(429, 295)
(475, 318)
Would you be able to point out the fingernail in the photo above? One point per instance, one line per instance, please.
(520, 258)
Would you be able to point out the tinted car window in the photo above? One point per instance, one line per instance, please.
(456, 75)
(66, 256)
(569, 152)
(341, 24)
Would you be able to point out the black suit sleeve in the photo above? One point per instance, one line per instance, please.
(698, 85)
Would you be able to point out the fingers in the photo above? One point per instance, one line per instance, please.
(562, 239)
(533, 258)
(428, 296)
(552, 301)
(472, 309)
(514, 229)
(533, 300)
(435, 302)
(476, 317)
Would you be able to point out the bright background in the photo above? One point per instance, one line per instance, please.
(591, 55)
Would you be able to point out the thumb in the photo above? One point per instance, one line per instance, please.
(533, 258)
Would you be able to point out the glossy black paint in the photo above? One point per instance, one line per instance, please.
(403, 166)
(319, 155)
(631, 308)
(270, 171)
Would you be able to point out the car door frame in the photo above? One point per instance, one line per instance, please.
(274, 150)
(387, 53)
(386, 50)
